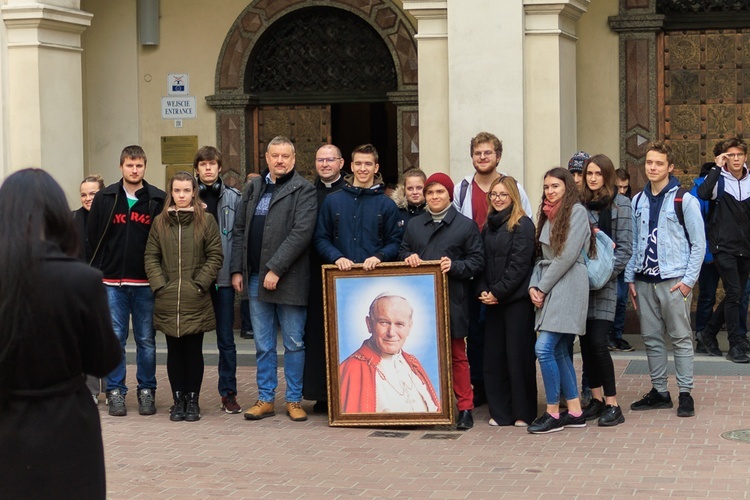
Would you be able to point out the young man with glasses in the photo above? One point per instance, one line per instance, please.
(727, 186)
(470, 199)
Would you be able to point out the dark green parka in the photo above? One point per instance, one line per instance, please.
(181, 268)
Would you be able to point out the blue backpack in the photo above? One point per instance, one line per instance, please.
(600, 269)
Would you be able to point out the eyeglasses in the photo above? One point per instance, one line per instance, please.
(732, 156)
(480, 154)
(499, 196)
(328, 160)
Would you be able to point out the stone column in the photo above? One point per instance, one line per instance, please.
(638, 26)
(432, 44)
(550, 81)
(42, 80)
(233, 111)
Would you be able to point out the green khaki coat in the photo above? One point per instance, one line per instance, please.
(181, 268)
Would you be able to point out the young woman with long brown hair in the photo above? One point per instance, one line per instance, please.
(559, 289)
(609, 212)
(183, 258)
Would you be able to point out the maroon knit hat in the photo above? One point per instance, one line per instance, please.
(442, 179)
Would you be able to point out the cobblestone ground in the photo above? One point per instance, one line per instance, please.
(654, 454)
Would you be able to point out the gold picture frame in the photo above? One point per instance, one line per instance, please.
(413, 385)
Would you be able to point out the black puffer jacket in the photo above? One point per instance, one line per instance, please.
(457, 238)
(509, 258)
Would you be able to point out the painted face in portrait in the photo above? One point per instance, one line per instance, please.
(390, 324)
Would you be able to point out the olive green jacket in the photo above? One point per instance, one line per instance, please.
(181, 269)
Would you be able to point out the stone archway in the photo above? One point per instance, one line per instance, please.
(237, 100)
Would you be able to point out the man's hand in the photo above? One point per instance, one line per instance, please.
(270, 281)
(237, 282)
(633, 295)
(487, 298)
(344, 264)
(413, 260)
(683, 288)
(370, 263)
(445, 264)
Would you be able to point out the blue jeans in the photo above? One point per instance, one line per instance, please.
(223, 301)
(708, 280)
(556, 366)
(137, 301)
(618, 327)
(265, 317)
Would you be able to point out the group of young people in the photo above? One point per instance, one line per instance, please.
(519, 291)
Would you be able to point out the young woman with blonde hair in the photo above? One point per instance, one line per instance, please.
(509, 360)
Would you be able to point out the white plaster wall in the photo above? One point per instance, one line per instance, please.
(486, 80)
(598, 81)
(110, 86)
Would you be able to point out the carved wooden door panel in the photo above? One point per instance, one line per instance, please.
(308, 127)
(706, 84)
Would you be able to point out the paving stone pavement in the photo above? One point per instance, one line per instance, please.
(654, 454)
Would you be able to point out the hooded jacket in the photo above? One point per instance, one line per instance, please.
(358, 223)
(729, 218)
(181, 266)
(117, 234)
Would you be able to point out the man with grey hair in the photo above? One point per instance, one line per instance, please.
(380, 376)
(272, 234)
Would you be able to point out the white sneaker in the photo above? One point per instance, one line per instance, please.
(493, 423)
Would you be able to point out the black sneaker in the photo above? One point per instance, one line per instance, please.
(737, 354)
(146, 404)
(686, 408)
(623, 345)
(700, 348)
(116, 402)
(611, 416)
(593, 410)
(710, 343)
(568, 420)
(652, 401)
(545, 424)
(611, 345)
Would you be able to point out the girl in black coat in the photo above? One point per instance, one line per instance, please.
(509, 360)
(56, 327)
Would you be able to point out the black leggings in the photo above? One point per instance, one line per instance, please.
(597, 362)
(185, 362)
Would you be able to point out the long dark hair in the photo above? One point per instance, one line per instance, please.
(608, 190)
(33, 209)
(559, 230)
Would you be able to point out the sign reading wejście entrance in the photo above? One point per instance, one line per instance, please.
(177, 107)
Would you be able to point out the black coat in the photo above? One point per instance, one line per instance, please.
(50, 435)
(509, 258)
(457, 238)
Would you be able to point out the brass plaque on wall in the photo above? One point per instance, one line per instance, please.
(178, 149)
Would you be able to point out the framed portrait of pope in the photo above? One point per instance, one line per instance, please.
(387, 346)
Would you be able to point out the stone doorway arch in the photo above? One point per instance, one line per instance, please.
(244, 104)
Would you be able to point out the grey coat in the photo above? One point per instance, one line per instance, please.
(229, 203)
(564, 278)
(602, 302)
(287, 234)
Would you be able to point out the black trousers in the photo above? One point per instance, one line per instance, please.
(185, 362)
(510, 362)
(597, 362)
(733, 271)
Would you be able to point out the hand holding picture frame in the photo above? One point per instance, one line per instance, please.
(388, 345)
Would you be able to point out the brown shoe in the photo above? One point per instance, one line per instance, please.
(295, 412)
(261, 409)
